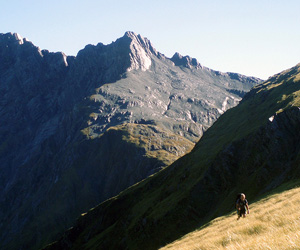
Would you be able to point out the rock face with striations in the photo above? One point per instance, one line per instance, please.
(75, 131)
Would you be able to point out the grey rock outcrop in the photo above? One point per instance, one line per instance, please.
(185, 61)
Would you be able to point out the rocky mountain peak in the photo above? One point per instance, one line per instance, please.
(143, 42)
(140, 51)
(130, 52)
(13, 38)
(19, 51)
(185, 61)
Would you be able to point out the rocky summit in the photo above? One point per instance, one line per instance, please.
(78, 130)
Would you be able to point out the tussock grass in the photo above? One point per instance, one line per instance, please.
(274, 223)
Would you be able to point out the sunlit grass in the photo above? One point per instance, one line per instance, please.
(158, 143)
(274, 223)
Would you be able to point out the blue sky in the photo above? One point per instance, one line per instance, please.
(257, 37)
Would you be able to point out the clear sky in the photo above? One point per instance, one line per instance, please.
(251, 37)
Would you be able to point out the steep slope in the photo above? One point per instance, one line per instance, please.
(253, 148)
(78, 130)
(269, 226)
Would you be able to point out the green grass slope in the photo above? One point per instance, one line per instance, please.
(252, 148)
(272, 224)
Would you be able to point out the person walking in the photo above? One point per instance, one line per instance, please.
(242, 206)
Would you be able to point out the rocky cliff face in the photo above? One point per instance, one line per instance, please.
(252, 148)
(77, 130)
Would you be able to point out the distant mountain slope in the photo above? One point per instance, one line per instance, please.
(253, 148)
(76, 131)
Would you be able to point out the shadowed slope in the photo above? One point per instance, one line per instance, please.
(246, 149)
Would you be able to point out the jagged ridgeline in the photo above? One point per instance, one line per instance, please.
(76, 131)
(253, 148)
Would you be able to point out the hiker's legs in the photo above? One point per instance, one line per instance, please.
(243, 213)
(239, 214)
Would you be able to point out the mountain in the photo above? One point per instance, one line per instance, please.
(253, 147)
(76, 131)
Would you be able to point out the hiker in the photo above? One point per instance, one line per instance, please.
(242, 206)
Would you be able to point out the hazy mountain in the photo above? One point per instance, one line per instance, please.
(253, 148)
(75, 131)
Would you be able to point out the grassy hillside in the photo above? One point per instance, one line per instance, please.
(253, 148)
(273, 223)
